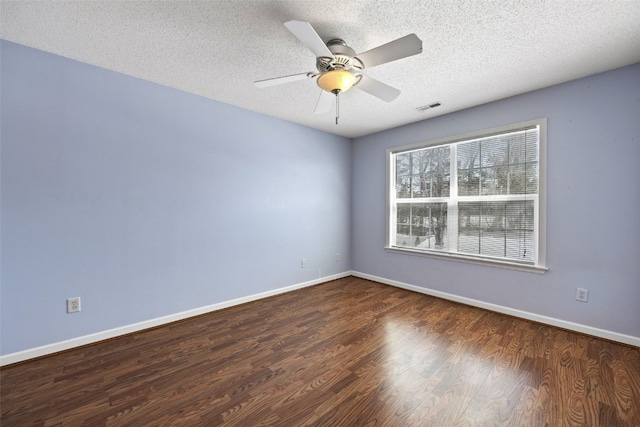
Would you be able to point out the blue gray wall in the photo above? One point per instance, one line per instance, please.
(147, 201)
(593, 200)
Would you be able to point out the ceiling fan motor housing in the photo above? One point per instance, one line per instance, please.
(343, 58)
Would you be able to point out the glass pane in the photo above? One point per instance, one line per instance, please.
(432, 160)
(419, 224)
(403, 187)
(428, 185)
(532, 178)
(516, 179)
(403, 164)
(492, 243)
(531, 139)
(469, 182)
(469, 227)
(519, 230)
(441, 185)
(404, 214)
(517, 149)
(469, 217)
(522, 174)
(494, 152)
(469, 155)
(430, 172)
(419, 161)
(469, 243)
(440, 160)
(523, 146)
(497, 229)
(422, 225)
(420, 186)
(436, 226)
(403, 227)
(520, 245)
(402, 235)
(495, 180)
(521, 215)
(492, 216)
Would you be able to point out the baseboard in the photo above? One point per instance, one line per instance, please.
(589, 330)
(48, 349)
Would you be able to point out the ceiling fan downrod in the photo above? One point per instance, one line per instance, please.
(337, 92)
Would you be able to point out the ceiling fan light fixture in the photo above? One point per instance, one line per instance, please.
(336, 81)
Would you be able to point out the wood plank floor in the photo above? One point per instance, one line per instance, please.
(344, 353)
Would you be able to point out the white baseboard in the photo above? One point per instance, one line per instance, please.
(44, 350)
(589, 330)
(32, 353)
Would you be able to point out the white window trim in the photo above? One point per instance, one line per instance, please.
(541, 200)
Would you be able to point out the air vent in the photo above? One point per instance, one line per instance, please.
(428, 107)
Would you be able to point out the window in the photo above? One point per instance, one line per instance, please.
(476, 197)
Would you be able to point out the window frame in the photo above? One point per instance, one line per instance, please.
(539, 265)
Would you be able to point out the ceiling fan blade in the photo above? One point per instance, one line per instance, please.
(392, 51)
(280, 80)
(325, 101)
(308, 36)
(377, 89)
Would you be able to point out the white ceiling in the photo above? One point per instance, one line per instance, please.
(474, 51)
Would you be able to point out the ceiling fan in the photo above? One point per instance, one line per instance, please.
(339, 68)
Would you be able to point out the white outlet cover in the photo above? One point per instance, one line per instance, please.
(582, 294)
(73, 305)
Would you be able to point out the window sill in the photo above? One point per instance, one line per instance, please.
(470, 260)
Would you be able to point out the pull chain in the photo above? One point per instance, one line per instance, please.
(337, 106)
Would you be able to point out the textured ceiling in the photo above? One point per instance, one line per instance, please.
(474, 51)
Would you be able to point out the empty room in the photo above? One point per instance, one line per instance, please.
(320, 213)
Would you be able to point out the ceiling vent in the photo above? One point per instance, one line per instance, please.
(428, 107)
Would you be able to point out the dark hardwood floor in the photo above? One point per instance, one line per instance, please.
(345, 353)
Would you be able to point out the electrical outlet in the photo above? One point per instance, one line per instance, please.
(303, 263)
(73, 305)
(338, 257)
(582, 294)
